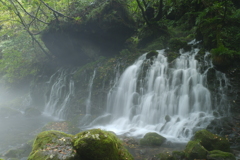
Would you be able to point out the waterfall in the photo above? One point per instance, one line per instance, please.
(61, 90)
(153, 95)
(88, 101)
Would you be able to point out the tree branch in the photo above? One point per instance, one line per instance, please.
(160, 10)
(144, 3)
(34, 16)
(29, 13)
(143, 13)
(60, 14)
(27, 29)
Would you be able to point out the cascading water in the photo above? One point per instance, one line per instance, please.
(87, 116)
(171, 99)
(60, 93)
(88, 101)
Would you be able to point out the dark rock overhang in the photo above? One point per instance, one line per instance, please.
(99, 32)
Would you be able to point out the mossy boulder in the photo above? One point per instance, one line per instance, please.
(152, 139)
(211, 141)
(194, 150)
(53, 145)
(96, 144)
(32, 112)
(220, 155)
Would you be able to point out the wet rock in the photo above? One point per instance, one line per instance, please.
(194, 150)
(220, 155)
(151, 54)
(152, 139)
(167, 118)
(53, 145)
(211, 141)
(96, 144)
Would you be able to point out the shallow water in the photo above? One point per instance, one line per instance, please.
(17, 130)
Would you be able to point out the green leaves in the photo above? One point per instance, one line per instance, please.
(17, 58)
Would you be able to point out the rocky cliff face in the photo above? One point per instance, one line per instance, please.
(101, 29)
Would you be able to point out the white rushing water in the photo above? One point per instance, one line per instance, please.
(171, 99)
(61, 91)
(88, 101)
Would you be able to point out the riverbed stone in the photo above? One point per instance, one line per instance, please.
(211, 141)
(152, 139)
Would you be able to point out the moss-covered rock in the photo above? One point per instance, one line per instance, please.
(151, 54)
(88, 145)
(220, 155)
(53, 145)
(172, 55)
(152, 139)
(211, 141)
(177, 43)
(194, 150)
(165, 156)
(96, 144)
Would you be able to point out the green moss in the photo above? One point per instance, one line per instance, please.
(178, 154)
(177, 43)
(217, 154)
(151, 54)
(165, 156)
(172, 56)
(211, 141)
(194, 150)
(96, 144)
(53, 145)
(47, 137)
(152, 139)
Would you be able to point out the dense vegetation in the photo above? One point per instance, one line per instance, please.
(157, 24)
